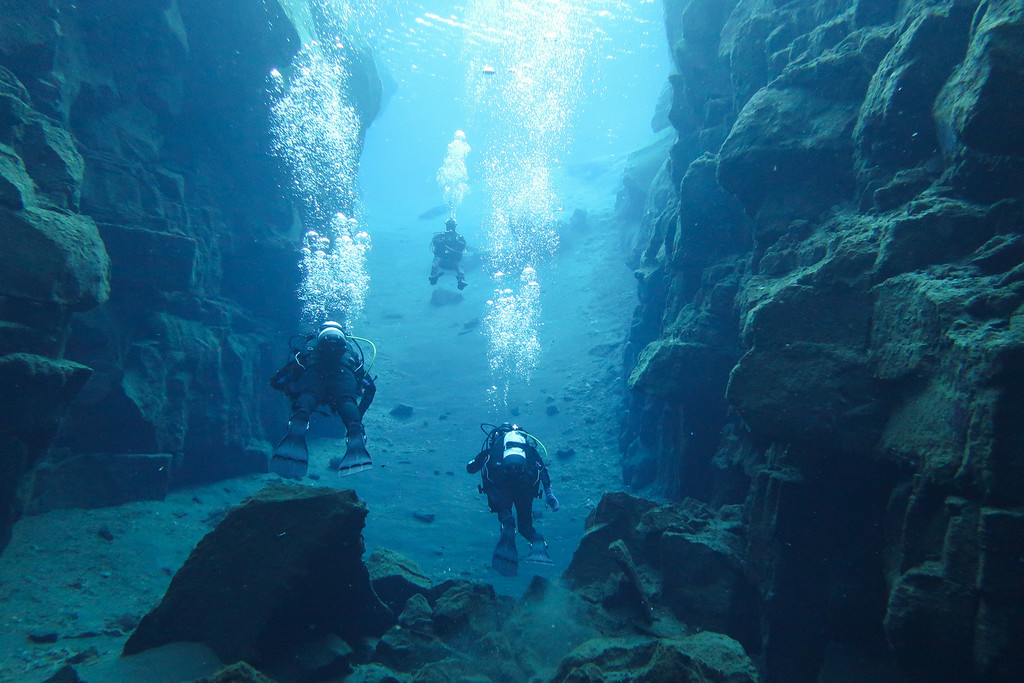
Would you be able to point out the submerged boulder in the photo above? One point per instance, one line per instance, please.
(396, 578)
(280, 570)
(708, 657)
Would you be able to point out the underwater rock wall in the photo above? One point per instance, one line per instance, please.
(145, 234)
(829, 327)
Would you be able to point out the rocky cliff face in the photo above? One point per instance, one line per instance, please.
(142, 228)
(829, 326)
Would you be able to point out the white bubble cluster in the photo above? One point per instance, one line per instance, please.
(533, 55)
(334, 280)
(316, 130)
(452, 177)
(511, 326)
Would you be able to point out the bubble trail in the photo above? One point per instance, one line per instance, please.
(534, 55)
(317, 132)
(452, 177)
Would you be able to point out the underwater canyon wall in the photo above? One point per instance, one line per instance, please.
(830, 327)
(148, 247)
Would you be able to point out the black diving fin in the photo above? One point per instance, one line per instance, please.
(505, 560)
(291, 457)
(539, 552)
(357, 458)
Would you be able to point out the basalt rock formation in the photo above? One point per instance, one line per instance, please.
(828, 332)
(281, 569)
(142, 227)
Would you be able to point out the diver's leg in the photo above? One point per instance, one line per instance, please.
(524, 512)
(435, 271)
(505, 559)
(357, 458)
(291, 456)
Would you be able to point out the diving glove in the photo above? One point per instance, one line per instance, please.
(552, 502)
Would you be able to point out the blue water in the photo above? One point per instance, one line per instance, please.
(431, 100)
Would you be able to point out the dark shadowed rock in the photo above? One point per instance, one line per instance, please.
(468, 611)
(937, 231)
(65, 674)
(151, 259)
(395, 578)
(615, 517)
(683, 558)
(413, 642)
(239, 672)
(445, 297)
(706, 657)
(703, 581)
(281, 569)
(402, 411)
(99, 480)
(36, 392)
(895, 128)
(676, 370)
(51, 256)
(984, 97)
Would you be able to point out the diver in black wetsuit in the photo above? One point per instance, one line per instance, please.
(448, 248)
(330, 371)
(513, 475)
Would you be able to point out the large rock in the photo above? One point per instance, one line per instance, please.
(95, 480)
(280, 569)
(875, 408)
(675, 370)
(682, 558)
(396, 578)
(468, 611)
(983, 99)
(53, 257)
(790, 152)
(413, 642)
(709, 657)
(36, 392)
(895, 128)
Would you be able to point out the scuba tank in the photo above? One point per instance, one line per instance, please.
(514, 447)
(508, 457)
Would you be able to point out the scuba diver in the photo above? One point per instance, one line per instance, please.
(513, 475)
(329, 371)
(448, 247)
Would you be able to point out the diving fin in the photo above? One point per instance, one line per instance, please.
(357, 458)
(505, 560)
(291, 457)
(539, 553)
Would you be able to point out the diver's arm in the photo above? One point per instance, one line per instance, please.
(545, 478)
(477, 463)
(369, 390)
(545, 482)
(279, 381)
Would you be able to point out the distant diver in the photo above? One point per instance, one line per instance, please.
(513, 475)
(448, 248)
(330, 371)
